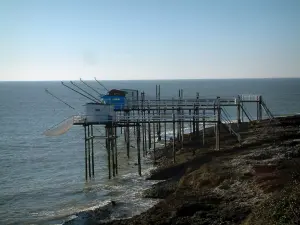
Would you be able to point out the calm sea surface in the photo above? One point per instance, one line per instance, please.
(42, 178)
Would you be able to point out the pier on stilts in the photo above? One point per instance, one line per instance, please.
(148, 120)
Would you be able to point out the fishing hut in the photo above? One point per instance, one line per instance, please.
(151, 118)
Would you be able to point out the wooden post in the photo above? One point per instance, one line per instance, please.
(149, 128)
(116, 151)
(93, 161)
(165, 128)
(133, 126)
(145, 135)
(178, 125)
(139, 148)
(128, 136)
(154, 150)
(174, 150)
(112, 148)
(85, 152)
(203, 127)
(89, 151)
(143, 138)
(238, 102)
(218, 125)
(108, 151)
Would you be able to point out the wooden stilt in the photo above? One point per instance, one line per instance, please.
(139, 148)
(89, 151)
(92, 140)
(85, 153)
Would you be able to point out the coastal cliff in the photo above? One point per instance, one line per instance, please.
(252, 182)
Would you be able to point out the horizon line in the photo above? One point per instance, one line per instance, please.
(236, 78)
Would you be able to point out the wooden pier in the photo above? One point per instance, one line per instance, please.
(151, 119)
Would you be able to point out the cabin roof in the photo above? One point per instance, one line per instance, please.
(117, 92)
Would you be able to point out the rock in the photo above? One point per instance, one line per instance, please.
(161, 190)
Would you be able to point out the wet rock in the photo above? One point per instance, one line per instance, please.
(161, 190)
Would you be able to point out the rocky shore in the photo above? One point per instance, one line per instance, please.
(252, 182)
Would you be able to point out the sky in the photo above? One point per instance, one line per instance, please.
(149, 39)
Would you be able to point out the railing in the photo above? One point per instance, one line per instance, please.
(166, 117)
(249, 97)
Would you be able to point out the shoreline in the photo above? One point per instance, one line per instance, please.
(240, 184)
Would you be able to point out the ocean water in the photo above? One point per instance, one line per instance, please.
(42, 178)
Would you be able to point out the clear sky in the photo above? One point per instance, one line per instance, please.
(148, 39)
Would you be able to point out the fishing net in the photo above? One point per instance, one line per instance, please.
(61, 128)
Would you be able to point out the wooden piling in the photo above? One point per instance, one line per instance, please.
(139, 148)
(165, 128)
(85, 152)
(154, 150)
(108, 150)
(174, 150)
(203, 127)
(92, 140)
(182, 119)
(259, 108)
(158, 112)
(218, 125)
(128, 137)
(197, 111)
(194, 120)
(89, 151)
(116, 151)
(112, 148)
(190, 124)
(149, 128)
(238, 103)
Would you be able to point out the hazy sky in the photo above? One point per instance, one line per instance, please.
(148, 39)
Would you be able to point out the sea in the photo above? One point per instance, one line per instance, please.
(42, 178)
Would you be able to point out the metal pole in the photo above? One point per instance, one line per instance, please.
(197, 110)
(238, 102)
(203, 128)
(112, 142)
(218, 125)
(190, 114)
(158, 125)
(154, 150)
(165, 129)
(149, 127)
(108, 151)
(116, 151)
(128, 136)
(174, 151)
